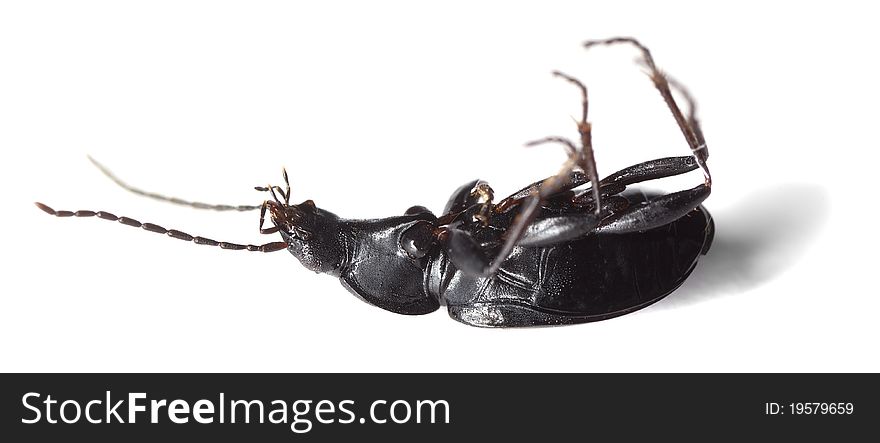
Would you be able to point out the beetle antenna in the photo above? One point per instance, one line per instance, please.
(174, 200)
(689, 126)
(173, 233)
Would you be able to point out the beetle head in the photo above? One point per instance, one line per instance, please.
(312, 234)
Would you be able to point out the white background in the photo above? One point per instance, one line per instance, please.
(376, 107)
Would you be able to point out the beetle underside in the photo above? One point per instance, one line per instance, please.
(548, 254)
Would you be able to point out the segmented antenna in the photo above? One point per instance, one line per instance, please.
(173, 233)
(174, 200)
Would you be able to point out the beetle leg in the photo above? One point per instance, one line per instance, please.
(692, 113)
(469, 256)
(585, 159)
(527, 213)
(558, 229)
(610, 185)
(483, 195)
(469, 194)
(689, 126)
(572, 180)
(465, 253)
(582, 156)
(656, 212)
(665, 209)
(476, 192)
(555, 229)
(650, 170)
(263, 230)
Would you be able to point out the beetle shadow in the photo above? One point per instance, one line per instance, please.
(756, 240)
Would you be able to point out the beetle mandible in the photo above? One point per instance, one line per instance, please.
(549, 254)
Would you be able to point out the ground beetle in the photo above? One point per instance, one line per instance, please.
(549, 254)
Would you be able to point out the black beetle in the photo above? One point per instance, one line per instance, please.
(549, 254)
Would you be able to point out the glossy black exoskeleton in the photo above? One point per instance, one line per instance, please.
(549, 254)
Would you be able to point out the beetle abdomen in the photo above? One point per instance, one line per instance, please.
(596, 278)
